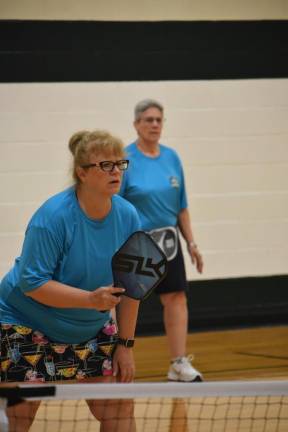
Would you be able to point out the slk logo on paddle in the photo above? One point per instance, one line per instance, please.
(138, 265)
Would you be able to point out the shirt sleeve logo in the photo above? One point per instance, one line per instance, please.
(174, 182)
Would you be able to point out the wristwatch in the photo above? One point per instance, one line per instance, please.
(128, 343)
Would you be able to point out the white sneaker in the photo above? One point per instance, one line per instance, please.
(181, 369)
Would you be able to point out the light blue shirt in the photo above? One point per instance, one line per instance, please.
(155, 186)
(63, 244)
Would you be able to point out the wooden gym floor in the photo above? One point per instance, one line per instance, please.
(248, 353)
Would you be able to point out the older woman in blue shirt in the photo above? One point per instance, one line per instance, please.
(155, 185)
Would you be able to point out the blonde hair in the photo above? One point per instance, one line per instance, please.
(84, 143)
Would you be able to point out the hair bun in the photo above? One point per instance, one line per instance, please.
(75, 140)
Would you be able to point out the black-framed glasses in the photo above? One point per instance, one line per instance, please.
(108, 166)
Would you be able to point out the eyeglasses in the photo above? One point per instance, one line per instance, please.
(151, 120)
(108, 166)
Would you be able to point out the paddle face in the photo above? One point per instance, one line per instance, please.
(139, 266)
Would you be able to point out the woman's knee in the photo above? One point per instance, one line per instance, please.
(112, 409)
(21, 416)
(174, 299)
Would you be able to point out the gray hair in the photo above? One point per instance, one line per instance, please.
(145, 104)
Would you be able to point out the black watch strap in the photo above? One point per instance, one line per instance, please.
(128, 343)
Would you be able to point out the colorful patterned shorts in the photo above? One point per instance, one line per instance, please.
(28, 355)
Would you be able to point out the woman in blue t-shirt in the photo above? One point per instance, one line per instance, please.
(155, 185)
(56, 301)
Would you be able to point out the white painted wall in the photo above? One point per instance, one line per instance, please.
(150, 10)
(232, 137)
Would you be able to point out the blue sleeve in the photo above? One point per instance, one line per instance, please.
(135, 223)
(183, 197)
(40, 256)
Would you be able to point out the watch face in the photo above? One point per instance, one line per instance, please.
(126, 342)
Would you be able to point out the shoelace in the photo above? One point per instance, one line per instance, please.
(184, 360)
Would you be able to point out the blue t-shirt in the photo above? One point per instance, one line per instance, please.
(155, 186)
(63, 244)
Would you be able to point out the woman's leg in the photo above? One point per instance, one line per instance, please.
(114, 415)
(175, 316)
(21, 416)
(176, 326)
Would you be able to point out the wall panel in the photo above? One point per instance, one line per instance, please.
(235, 158)
(148, 10)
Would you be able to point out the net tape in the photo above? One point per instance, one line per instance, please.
(146, 390)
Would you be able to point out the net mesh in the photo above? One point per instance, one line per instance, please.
(221, 414)
(204, 407)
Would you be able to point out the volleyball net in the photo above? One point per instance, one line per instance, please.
(229, 406)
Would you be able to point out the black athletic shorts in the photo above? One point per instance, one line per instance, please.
(175, 279)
